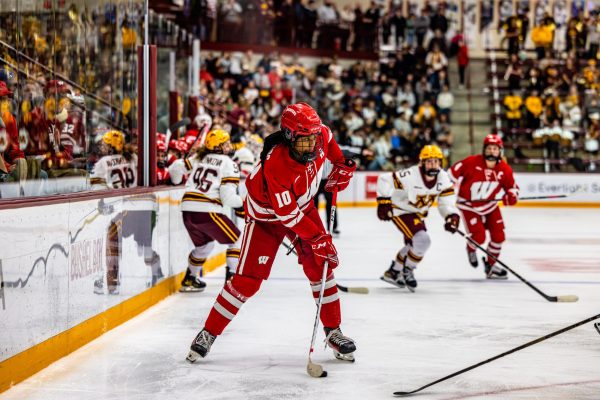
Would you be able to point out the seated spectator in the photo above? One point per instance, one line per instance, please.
(512, 105)
(534, 109)
(426, 115)
(445, 101)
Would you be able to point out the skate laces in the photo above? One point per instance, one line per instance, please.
(205, 339)
(408, 273)
(336, 337)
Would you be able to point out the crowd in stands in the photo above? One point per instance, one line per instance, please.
(314, 24)
(551, 100)
(385, 110)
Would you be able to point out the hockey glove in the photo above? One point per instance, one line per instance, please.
(510, 198)
(452, 222)
(324, 250)
(340, 176)
(240, 212)
(384, 208)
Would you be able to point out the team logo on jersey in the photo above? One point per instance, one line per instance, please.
(483, 190)
(423, 201)
(262, 260)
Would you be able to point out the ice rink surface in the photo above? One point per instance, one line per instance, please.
(405, 340)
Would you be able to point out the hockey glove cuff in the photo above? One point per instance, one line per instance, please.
(340, 176)
(384, 208)
(511, 197)
(452, 222)
(324, 250)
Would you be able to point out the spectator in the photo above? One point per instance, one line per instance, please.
(399, 23)
(463, 61)
(445, 101)
(370, 24)
(426, 115)
(514, 73)
(231, 11)
(421, 26)
(439, 21)
(512, 105)
(534, 109)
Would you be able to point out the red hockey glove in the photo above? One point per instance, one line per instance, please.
(240, 212)
(340, 176)
(452, 222)
(384, 208)
(510, 198)
(324, 250)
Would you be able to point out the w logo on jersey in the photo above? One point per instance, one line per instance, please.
(483, 190)
(262, 260)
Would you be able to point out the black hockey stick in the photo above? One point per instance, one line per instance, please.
(523, 346)
(570, 298)
(557, 196)
(345, 289)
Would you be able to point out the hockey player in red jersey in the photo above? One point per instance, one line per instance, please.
(279, 204)
(480, 178)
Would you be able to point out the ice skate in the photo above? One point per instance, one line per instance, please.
(473, 258)
(393, 276)
(493, 271)
(191, 283)
(343, 347)
(200, 346)
(408, 278)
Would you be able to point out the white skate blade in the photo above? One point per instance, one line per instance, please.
(496, 277)
(344, 357)
(392, 282)
(193, 356)
(189, 289)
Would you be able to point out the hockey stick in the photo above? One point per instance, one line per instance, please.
(345, 289)
(523, 346)
(316, 370)
(557, 196)
(570, 298)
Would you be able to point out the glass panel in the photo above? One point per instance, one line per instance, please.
(71, 68)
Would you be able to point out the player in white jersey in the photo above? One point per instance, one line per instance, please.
(212, 184)
(116, 169)
(404, 197)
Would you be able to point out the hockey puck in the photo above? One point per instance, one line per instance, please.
(324, 374)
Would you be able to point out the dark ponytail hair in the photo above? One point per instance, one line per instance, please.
(271, 141)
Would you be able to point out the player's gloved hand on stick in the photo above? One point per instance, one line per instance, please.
(510, 198)
(340, 176)
(239, 212)
(324, 250)
(384, 208)
(452, 222)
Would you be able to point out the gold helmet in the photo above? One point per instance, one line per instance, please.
(431, 151)
(114, 139)
(216, 138)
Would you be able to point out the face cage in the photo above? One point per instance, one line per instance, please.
(490, 157)
(306, 156)
(431, 172)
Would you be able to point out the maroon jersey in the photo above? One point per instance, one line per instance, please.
(283, 189)
(478, 182)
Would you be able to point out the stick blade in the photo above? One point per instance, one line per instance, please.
(315, 370)
(358, 290)
(569, 298)
(401, 393)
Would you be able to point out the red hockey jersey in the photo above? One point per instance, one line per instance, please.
(283, 190)
(477, 182)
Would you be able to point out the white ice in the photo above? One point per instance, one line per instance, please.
(456, 318)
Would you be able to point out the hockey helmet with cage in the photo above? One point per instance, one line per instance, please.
(114, 139)
(301, 120)
(215, 139)
(493, 139)
(428, 152)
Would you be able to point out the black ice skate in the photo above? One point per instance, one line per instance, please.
(343, 347)
(493, 271)
(393, 276)
(409, 278)
(191, 283)
(200, 346)
(472, 258)
(99, 287)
